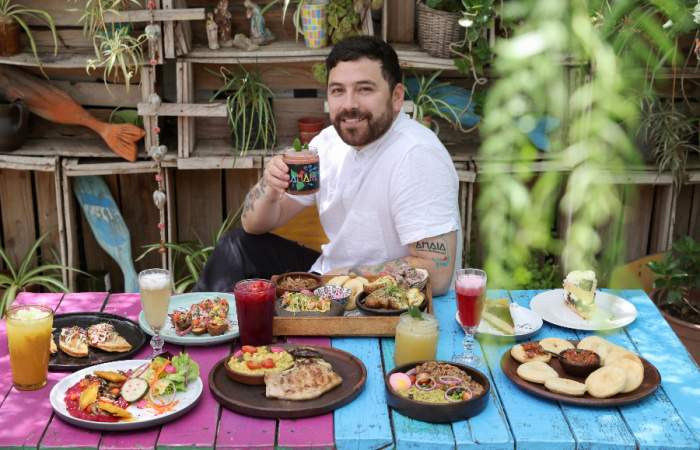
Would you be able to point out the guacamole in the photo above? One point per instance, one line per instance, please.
(260, 360)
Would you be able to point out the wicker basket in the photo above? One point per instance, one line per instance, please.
(437, 30)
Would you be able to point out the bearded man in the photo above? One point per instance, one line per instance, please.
(388, 188)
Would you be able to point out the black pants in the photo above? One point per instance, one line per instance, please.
(240, 255)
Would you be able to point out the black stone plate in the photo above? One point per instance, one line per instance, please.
(130, 330)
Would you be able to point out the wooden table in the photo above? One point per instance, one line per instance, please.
(670, 418)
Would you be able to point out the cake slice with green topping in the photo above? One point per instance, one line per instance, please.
(497, 314)
(579, 292)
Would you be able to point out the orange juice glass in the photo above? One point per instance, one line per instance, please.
(28, 338)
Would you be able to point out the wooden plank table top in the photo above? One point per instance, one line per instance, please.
(668, 419)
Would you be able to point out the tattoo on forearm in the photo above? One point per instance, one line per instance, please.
(257, 192)
(436, 249)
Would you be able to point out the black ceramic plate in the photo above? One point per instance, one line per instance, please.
(130, 330)
(443, 412)
(384, 312)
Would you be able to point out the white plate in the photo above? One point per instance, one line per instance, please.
(184, 301)
(526, 323)
(144, 417)
(611, 311)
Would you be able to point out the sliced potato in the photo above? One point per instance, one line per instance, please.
(88, 396)
(114, 377)
(114, 410)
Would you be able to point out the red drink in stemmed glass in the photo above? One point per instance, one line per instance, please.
(470, 290)
(255, 307)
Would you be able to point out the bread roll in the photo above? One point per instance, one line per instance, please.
(536, 372)
(565, 386)
(356, 285)
(520, 355)
(618, 353)
(555, 345)
(338, 281)
(634, 372)
(606, 382)
(597, 345)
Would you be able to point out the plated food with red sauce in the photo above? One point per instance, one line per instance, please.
(127, 395)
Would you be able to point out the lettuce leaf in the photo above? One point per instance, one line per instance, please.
(187, 371)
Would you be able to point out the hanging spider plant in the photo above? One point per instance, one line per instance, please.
(13, 12)
(118, 51)
(249, 108)
(428, 103)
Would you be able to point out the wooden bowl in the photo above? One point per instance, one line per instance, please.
(575, 368)
(253, 380)
(277, 279)
(438, 413)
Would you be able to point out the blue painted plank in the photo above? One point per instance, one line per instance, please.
(592, 428)
(489, 429)
(671, 417)
(364, 423)
(410, 433)
(534, 422)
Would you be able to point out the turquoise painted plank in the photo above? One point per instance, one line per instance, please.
(489, 429)
(593, 428)
(364, 423)
(410, 433)
(671, 417)
(535, 423)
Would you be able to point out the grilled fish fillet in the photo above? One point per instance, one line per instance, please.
(308, 379)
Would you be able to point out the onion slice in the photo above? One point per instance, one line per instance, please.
(426, 384)
(450, 380)
(458, 389)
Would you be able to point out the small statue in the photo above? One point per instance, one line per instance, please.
(222, 17)
(242, 41)
(259, 33)
(212, 32)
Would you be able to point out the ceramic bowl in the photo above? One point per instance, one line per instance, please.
(337, 294)
(575, 368)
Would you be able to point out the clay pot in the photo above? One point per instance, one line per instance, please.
(14, 125)
(688, 333)
(309, 127)
(9, 37)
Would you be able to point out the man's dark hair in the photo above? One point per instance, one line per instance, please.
(374, 48)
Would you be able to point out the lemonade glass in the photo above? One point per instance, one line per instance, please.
(28, 339)
(155, 286)
(416, 338)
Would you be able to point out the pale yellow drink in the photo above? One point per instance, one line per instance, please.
(416, 339)
(28, 339)
(154, 285)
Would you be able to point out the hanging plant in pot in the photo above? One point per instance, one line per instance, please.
(249, 109)
(677, 291)
(13, 16)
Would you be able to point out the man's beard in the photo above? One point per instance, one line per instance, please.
(365, 133)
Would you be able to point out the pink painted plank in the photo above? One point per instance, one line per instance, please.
(59, 434)
(237, 431)
(310, 432)
(24, 298)
(198, 427)
(129, 305)
(25, 415)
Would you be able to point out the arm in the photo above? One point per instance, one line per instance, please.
(266, 207)
(435, 254)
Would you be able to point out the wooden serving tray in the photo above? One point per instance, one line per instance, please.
(343, 326)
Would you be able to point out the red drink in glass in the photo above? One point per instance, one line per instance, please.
(470, 290)
(255, 307)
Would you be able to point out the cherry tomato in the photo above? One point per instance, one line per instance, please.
(252, 365)
(249, 349)
(268, 363)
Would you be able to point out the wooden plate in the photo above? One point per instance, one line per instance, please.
(251, 400)
(438, 413)
(382, 311)
(130, 330)
(651, 381)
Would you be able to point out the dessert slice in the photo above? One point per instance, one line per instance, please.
(73, 341)
(579, 292)
(497, 314)
(105, 337)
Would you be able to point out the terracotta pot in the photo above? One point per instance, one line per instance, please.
(688, 333)
(309, 127)
(9, 37)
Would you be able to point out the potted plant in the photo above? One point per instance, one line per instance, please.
(677, 291)
(434, 99)
(13, 16)
(249, 108)
(20, 278)
(309, 127)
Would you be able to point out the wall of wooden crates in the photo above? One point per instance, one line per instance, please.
(205, 179)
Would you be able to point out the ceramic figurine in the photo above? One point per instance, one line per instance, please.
(258, 31)
(222, 17)
(244, 43)
(212, 32)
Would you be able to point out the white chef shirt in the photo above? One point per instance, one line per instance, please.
(375, 201)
